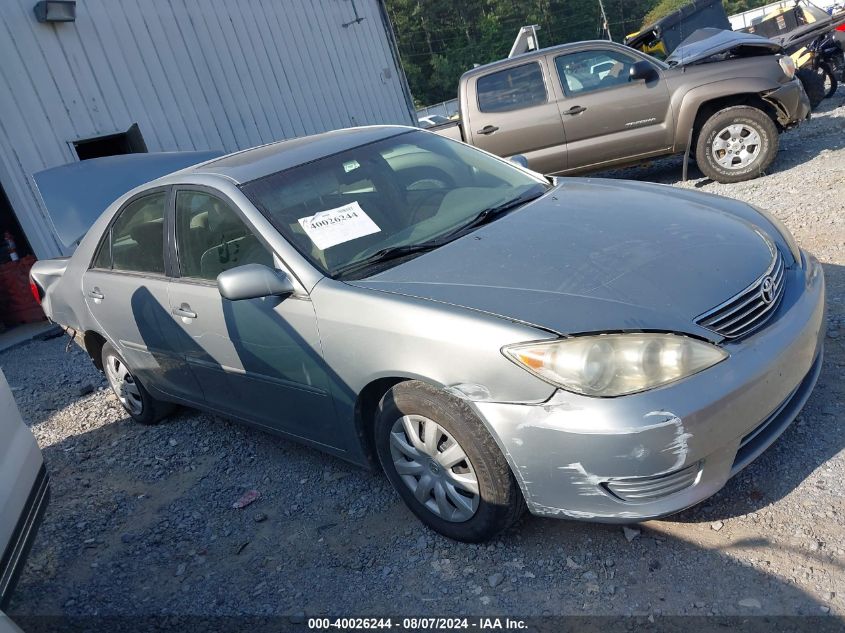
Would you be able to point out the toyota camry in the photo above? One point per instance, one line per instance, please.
(494, 340)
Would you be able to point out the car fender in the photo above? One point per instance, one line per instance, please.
(686, 105)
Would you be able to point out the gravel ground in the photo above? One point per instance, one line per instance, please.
(141, 519)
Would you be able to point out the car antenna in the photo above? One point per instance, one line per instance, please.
(605, 24)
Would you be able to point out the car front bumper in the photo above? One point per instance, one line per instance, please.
(655, 453)
(791, 102)
(14, 556)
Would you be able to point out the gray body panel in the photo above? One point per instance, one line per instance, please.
(625, 124)
(589, 256)
(21, 466)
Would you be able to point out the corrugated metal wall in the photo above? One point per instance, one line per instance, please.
(193, 74)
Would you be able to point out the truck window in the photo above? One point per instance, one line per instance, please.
(586, 71)
(512, 89)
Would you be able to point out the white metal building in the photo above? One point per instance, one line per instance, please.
(163, 75)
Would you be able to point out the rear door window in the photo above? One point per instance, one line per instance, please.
(512, 89)
(137, 237)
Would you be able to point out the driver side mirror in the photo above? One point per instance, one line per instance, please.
(252, 281)
(520, 160)
(642, 70)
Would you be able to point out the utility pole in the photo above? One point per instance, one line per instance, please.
(604, 20)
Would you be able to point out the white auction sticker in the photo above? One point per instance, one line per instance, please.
(335, 226)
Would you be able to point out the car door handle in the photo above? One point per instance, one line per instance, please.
(95, 294)
(488, 129)
(185, 312)
(575, 110)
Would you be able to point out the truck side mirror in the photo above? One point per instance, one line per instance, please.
(642, 70)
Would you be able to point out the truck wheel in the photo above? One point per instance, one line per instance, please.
(444, 464)
(736, 144)
(813, 85)
(136, 400)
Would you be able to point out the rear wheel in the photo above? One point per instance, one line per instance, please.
(444, 464)
(813, 85)
(736, 144)
(131, 394)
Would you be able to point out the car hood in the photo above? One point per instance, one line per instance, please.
(707, 42)
(595, 255)
(76, 194)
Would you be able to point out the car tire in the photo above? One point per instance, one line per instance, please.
(421, 431)
(131, 394)
(813, 85)
(722, 152)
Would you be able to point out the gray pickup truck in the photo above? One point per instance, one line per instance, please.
(586, 106)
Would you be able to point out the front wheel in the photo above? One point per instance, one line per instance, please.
(444, 464)
(737, 143)
(131, 394)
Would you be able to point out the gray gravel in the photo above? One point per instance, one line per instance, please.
(141, 519)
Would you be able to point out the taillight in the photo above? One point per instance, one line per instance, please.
(36, 291)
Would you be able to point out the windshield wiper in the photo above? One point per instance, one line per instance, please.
(387, 254)
(491, 213)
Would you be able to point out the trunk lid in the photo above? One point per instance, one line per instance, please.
(77, 193)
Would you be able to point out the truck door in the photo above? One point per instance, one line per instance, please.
(606, 116)
(515, 113)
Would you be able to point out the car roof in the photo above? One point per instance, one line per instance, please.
(525, 57)
(257, 162)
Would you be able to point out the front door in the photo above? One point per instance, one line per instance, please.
(126, 290)
(257, 359)
(516, 113)
(608, 117)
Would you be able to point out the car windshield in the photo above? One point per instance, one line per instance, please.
(369, 207)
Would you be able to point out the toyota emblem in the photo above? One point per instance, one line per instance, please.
(767, 290)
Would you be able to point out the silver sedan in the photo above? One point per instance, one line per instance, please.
(602, 350)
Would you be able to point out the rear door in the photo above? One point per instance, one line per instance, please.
(257, 359)
(126, 291)
(515, 113)
(606, 116)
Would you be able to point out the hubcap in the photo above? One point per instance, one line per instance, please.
(124, 385)
(434, 467)
(736, 146)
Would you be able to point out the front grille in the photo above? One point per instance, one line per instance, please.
(748, 310)
(653, 488)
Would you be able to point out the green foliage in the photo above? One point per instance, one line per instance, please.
(662, 9)
(665, 7)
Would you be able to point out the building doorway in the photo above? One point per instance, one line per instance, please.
(129, 142)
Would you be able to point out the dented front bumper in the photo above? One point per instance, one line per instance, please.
(654, 453)
(791, 102)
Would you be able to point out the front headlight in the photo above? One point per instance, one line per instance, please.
(615, 364)
(787, 65)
